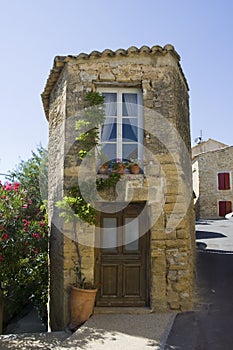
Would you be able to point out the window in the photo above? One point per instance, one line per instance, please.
(122, 132)
(224, 181)
(225, 207)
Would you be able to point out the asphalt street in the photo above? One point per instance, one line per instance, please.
(210, 325)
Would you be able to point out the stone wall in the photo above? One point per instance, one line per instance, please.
(207, 166)
(165, 185)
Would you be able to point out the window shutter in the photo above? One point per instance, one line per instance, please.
(227, 181)
(221, 181)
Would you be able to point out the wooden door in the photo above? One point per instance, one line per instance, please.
(122, 262)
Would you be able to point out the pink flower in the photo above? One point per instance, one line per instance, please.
(4, 197)
(16, 185)
(25, 222)
(42, 224)
(36, 235)
(25, 206)
(8, 187)
(5, 236)
(36, 251)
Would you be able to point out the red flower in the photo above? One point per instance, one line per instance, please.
(8, 187)
(16, 185)
(36, 235)
(26, 222)
(4, 197)
(5, 236)
(36, 251)
(1, 258)
(42, 224)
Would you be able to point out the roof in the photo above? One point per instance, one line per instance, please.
(208, 141)
(60, 61)
(206, 146)
(220, 150)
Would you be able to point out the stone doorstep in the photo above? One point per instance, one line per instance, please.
(122, 310)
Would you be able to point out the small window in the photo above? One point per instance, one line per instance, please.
(224, 181)
(225, 207)
(122, 132)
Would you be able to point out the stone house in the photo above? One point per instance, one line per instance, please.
(150, 262)
(212, 183)
(205, 146)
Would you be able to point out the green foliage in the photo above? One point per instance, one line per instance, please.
(108, 181)
(24, 234)
(33, 174)
(87, 126)
(81, 280)
(23, 246)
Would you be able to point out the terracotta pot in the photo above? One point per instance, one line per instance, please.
(103, 169)
(81, 306)
(121, 169)
(135, 169)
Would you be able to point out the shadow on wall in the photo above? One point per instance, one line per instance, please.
(208, 235)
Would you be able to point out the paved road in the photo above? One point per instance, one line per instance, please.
(210, 327)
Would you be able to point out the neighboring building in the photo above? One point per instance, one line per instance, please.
(158, 269)
(206, 146)
(212, 183)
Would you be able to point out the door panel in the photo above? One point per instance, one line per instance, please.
(122, 270)
(110, 276)
(131, 280)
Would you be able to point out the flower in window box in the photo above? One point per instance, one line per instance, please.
(134, 167)
(118, 166)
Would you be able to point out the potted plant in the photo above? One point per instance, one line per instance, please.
(75, 209)
(82, 299)
(118, 166)
(135, 167)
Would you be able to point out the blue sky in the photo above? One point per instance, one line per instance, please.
(32, 33)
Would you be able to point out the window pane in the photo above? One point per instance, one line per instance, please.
(109, 130)
(109, 149)
(109, 233)
(130, 130)
(130, 107)
(130, 151)
(131, 234)
(110, 100)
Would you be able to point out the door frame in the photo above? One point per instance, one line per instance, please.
(132, 207)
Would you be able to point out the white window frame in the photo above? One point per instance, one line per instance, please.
(120, 117)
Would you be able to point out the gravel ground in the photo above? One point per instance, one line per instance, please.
(102, 331)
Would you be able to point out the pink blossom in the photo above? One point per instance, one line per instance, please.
(16, 185)
(5, 236)
(8, 187)
(26, 222)
(36, 235)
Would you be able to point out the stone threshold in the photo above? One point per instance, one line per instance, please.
(122, 310)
